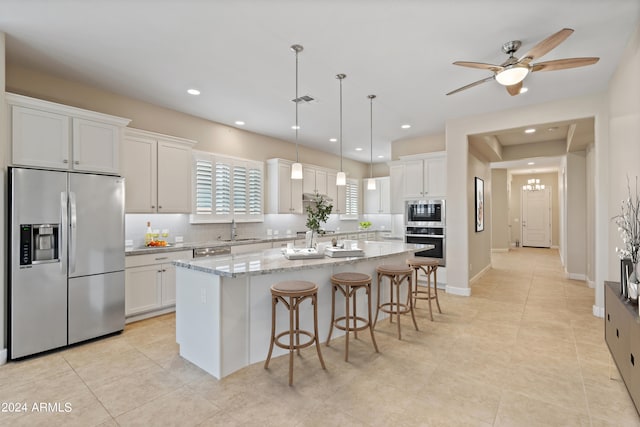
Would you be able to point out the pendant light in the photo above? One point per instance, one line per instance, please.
(341, 178)
(296, 168)
(371, 183)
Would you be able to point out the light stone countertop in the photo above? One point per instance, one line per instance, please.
(243, 241)
(273, 260)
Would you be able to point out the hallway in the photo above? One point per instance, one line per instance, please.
(523, 350)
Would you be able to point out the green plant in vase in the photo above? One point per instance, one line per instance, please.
(318, 211)
(364, 225)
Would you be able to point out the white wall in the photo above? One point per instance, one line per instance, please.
(624, 158)
(457, 159)
(500, 228)
(576, 194)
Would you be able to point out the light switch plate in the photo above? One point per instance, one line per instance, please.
(179, 239)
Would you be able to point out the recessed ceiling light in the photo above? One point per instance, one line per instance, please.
(333, 140)
(239, 122)
(381, 156)
(405, 126)
(294, 127)
(193, 92)
(358, 149)
(531, 163)
(524, 89)
(530, 130)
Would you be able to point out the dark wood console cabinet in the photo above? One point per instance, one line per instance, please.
(622, 334)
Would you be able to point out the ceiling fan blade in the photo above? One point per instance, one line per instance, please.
(514, 89)
(470, 85)
(562, 64)
(546, 45)
(481, 65)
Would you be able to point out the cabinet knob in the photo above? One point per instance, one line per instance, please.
(76, 162)
(65, 161)
(159, 207)
(153, 207)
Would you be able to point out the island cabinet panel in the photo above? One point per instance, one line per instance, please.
(223, 305)
(622, 334)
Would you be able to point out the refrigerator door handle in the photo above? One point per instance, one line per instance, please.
(73, 222)
(62, 241)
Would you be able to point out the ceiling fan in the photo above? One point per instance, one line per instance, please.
(513, 71)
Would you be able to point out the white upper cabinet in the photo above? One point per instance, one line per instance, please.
(54, 136)
(314, 180)
(377, 201)
(284, 193)
(157, 169)
(338, 195)
(423, 177)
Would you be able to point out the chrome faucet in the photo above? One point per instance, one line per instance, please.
(234, 233)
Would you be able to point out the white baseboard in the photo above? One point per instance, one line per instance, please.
(150, 314)
(3, 356)
(465, 292)
(591, 284)
(480, 274)
(500, 250)
(576, 276)
(598, 311)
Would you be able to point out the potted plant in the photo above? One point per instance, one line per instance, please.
(318, 211)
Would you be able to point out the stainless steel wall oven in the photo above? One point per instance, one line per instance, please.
(429, 236)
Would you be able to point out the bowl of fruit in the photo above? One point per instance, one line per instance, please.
(365, 225)
(157, 243)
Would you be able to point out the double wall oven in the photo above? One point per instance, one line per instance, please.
(425, 224)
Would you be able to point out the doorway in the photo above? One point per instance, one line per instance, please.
(536, 218)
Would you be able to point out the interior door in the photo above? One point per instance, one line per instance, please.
(536, 218)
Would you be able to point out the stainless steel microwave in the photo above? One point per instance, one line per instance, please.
(425, 213)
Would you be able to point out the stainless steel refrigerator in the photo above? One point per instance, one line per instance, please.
(66, 277)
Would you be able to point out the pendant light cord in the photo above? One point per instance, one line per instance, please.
(341, 77)
(371, 135)
(296, 102)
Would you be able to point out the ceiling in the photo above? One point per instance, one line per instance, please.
(237, 53)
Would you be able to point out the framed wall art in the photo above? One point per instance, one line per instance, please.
(479, 194)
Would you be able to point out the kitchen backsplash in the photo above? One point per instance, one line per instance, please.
(280, 225)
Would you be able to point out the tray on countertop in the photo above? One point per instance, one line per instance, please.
(302, 253)
(334, 252)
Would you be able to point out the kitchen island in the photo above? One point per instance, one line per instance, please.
(223, 304)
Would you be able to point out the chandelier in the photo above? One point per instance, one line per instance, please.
(533, 184)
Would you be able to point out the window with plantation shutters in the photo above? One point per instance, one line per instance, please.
(223, 188)
(227, 188)
(204, 187)
(351, 198)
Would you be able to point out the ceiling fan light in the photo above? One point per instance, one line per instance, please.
(296, 171)
(341, 179)
(512, 75)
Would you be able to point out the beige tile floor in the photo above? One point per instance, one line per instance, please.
(524, 350)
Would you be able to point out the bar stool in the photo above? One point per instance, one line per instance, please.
(428, 266)
(396, 274)
(348, 284)
(291, 293)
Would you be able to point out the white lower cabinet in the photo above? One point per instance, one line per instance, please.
(150, 284)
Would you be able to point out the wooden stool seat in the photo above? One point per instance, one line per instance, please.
(291, 293)
(348, 284)
(428, 266)
(397, 274)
